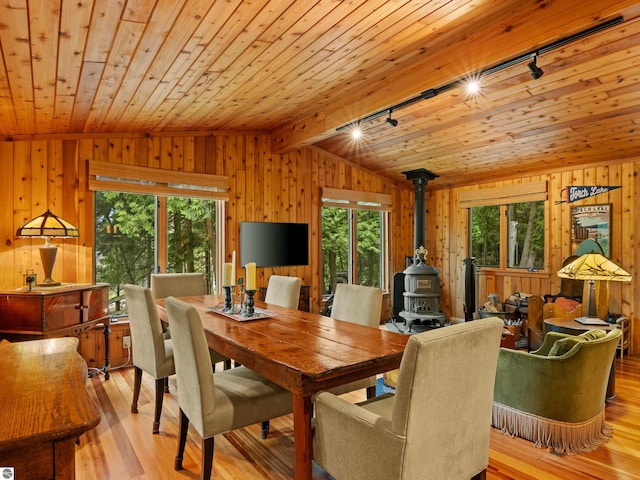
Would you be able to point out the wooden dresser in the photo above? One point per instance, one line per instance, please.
(44, 407)
(62, 311)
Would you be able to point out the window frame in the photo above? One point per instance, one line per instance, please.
(352, 201)
(503, 197)
(106, 176)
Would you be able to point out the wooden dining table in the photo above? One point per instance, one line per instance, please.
(300, 351)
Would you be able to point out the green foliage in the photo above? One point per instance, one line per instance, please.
(369, 247)
(485, 235)
(126, 239)
(525, 235)
(335, 247)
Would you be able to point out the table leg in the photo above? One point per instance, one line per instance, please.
(107, 359)
(302, 410)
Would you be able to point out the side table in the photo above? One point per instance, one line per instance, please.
(44, 407)
(62, 311)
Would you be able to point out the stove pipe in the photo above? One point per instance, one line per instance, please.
(420, 177)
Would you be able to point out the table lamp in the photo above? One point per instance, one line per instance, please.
(593, 267)
(47, 226)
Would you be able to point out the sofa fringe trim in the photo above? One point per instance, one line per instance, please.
(560, 437)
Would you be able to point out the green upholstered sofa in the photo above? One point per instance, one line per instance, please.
(557, 400)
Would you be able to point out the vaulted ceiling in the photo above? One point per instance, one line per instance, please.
(301, 69)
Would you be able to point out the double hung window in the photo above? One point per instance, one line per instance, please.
(138, 233)
(507, 226)
(355, 233)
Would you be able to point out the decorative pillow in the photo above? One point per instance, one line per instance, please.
(566, 304)
(562, 346)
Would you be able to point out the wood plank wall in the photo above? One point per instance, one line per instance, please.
(52, 174)
(263, 187)
(447, 238)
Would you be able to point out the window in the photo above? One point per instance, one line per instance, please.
(354, 238)
(524, 226)
(506, 226)
(130, 240)
(145, 224)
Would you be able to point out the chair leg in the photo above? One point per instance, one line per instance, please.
(166, 385)
(207, 458)
(160, 382)
(371, 392)
(136, 389)
(264, 430)
(227, 364)
(183, 425)
(480, 476)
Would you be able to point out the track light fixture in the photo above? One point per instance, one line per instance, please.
(536, 71)
(392, 121)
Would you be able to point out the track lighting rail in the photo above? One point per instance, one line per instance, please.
(532, 55)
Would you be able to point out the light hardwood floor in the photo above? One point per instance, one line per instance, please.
(123, 447)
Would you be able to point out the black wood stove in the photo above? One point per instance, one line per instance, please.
(421, 295)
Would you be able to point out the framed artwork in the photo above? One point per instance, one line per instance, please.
(592, 222)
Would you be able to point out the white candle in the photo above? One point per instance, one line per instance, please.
(233, 268)
(226, 274)
(251, 275)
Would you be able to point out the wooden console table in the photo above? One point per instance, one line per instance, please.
(62, 311)
(44, 407)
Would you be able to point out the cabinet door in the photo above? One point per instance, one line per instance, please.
(62, 311)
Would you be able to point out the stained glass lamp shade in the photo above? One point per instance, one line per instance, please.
(593, 267)
(48, 226)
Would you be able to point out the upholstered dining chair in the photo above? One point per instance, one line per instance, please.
(363, 305)
(152, 352)
(283, 291)
(215, 403)
(435, 426)
(183, 285)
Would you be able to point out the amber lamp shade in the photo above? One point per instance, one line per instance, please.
(48, 226)
(593, 267)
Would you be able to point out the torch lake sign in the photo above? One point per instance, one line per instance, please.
(575, 193)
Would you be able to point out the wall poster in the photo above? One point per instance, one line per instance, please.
(591, 222)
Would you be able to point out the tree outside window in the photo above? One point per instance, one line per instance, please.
(349, 234)
(523, 224)
(130, 237)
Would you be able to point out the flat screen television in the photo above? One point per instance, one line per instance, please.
(274, 244)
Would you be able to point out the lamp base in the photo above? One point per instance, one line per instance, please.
(48, 257)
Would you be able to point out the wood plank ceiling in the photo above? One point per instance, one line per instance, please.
(300, 69)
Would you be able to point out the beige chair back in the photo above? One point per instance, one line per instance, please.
(178, 284)
(357, 304)
(196, 389)
(437, 425)
(283, 291)
(148, 343)
(444, 398)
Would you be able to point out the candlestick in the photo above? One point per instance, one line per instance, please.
(241, 295)
(249, 312)
(228, 299)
